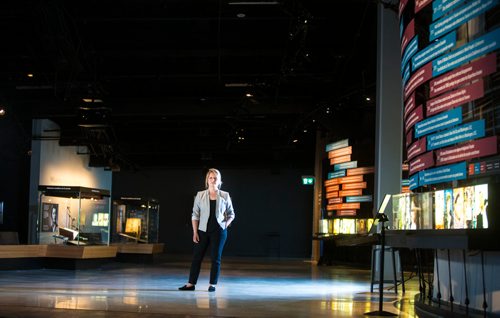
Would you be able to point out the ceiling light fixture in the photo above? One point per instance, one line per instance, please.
(30, 75)
(237, 85)
(241, 15)
(92, 100)
(248, 95)
(2, 111)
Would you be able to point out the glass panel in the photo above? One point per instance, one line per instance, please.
(74, 218)
(135, 220)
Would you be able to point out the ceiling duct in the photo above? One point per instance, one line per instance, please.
(93, 117)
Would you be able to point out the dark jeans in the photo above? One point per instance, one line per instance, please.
(216, 240)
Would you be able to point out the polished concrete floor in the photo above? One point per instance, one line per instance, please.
(247, 288)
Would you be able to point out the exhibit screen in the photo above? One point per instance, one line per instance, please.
(448, 209)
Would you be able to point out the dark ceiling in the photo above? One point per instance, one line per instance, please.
(173, 76)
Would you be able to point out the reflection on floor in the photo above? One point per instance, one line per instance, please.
(247, 288)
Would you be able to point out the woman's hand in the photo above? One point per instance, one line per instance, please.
(196, 238)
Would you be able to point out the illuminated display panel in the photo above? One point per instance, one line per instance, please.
(346, 212)
(448, 209)
(343, 206)
(355, 185)
(449, 69)
(340, 152)
(351, 179)
(335, 200)
(341, 159)
(332, 188)
(331, 182)
(358, 171)
(333, 194)
(348, 205)
(345, 193)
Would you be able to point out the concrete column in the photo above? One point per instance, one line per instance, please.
(389, 117)
(318, 192)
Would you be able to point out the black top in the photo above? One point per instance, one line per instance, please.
(212, 219)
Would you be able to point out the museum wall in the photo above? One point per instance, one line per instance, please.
(14, 176)
(54, 165)
(273, 210)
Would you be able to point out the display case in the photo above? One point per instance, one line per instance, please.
(135, 220)
(73, 215)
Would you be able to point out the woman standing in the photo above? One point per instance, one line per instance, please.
(212, 213)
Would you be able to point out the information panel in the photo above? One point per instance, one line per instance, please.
(449, 73)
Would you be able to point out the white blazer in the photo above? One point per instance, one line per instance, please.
(224, 211)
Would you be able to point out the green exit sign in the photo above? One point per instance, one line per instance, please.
(307, 180)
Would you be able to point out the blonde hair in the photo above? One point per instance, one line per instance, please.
(217, 174)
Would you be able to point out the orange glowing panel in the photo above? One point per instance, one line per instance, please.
(340, 152)
(335, 200)
(405, 190)
(356, 185)
(343, 206)
(334, 161)
(334, 194)
(345, 193)
(358, 171)
(351, 179)
(346, 212)
(331, 182)
(332, 188)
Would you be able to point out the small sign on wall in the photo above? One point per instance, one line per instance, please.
(307, 180)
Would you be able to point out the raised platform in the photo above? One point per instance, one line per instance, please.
(22, 251)
(81, 252)
(55, 256)
(148, 248)
(139, 253)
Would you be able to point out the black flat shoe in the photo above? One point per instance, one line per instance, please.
(211, 288)
(186, 287)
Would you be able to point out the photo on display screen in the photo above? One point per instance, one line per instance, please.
(348, 226)
(120, 218)
(405, 212)
(323, 226)
(330, 226)
(468, 206)
(414, 222)
(426, 210)
(397, 207)
(49, 217)
(479, 217)
(336, 226)
(439, 210)
(100, 219)
(458, 208)
(448, 209)
(361, 226)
